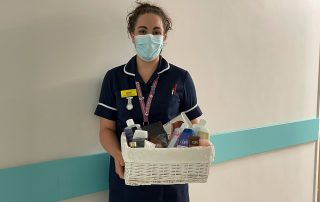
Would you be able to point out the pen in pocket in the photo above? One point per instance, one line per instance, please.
(174, 89)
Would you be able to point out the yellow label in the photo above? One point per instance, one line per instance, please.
(128, 93)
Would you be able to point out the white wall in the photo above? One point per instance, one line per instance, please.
(254, 62)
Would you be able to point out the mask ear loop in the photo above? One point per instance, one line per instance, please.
(164, 44)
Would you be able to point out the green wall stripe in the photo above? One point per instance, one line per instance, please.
(55, 180)
(233, 145)
(71, 177)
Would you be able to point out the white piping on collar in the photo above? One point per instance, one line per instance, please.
(168, 67)
(131, 74)
(124, 69)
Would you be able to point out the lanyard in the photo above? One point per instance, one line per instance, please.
(146, 108)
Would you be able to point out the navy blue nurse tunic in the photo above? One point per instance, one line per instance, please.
(164, 107)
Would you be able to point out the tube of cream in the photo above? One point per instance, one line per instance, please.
(176, 134)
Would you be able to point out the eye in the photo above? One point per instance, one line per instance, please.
(142, 31)
(157, 33)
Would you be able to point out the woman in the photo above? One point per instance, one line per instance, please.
(172, 92)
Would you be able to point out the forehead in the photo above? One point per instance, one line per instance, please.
(149, 20)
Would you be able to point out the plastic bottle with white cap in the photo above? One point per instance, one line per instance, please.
(130, 129)
(203, 133)
(196, 126)
(132, 125)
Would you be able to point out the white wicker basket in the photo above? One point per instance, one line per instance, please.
(146, 166)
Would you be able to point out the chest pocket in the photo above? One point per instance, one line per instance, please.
(173, 107)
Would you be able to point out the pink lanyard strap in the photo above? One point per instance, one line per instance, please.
(146, 108)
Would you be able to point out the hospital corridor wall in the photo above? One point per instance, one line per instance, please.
(254, 64)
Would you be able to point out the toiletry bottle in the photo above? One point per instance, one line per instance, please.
(183, 140)
(199, 125)
(130, 129)
(203, 133)
(201, 130)
(129, 134)
(139, 138)
(176, 134)
(134, 127)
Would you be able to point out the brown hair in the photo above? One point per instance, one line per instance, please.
(143, 8)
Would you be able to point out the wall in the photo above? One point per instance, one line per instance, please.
(254, 63)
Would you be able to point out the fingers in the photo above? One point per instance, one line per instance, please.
(119, 169)
(119, 158)
(121, 161)
(121, 172)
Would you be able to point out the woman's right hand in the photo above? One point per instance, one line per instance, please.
(119, 165)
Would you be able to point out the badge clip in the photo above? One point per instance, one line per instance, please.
(129, 105)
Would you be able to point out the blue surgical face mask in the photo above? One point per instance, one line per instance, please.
(148, 46)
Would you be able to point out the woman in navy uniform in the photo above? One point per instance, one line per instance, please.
(172, 92)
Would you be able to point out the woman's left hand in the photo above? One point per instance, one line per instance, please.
(119, 165)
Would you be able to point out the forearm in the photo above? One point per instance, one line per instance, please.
(195, 121)
(110, 143)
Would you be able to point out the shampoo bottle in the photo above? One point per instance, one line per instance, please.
(203, 133)
(130, 129)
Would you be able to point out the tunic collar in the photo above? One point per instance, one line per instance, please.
(131, 67)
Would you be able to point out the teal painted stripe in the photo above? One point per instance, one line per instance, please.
(67, 178)
(237, 144)
(55, 180)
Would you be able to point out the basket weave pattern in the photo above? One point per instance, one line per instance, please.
(165, 165)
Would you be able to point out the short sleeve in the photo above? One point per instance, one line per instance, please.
(189, 101)
(106, 107)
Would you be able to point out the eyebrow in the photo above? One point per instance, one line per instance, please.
(144, 27)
